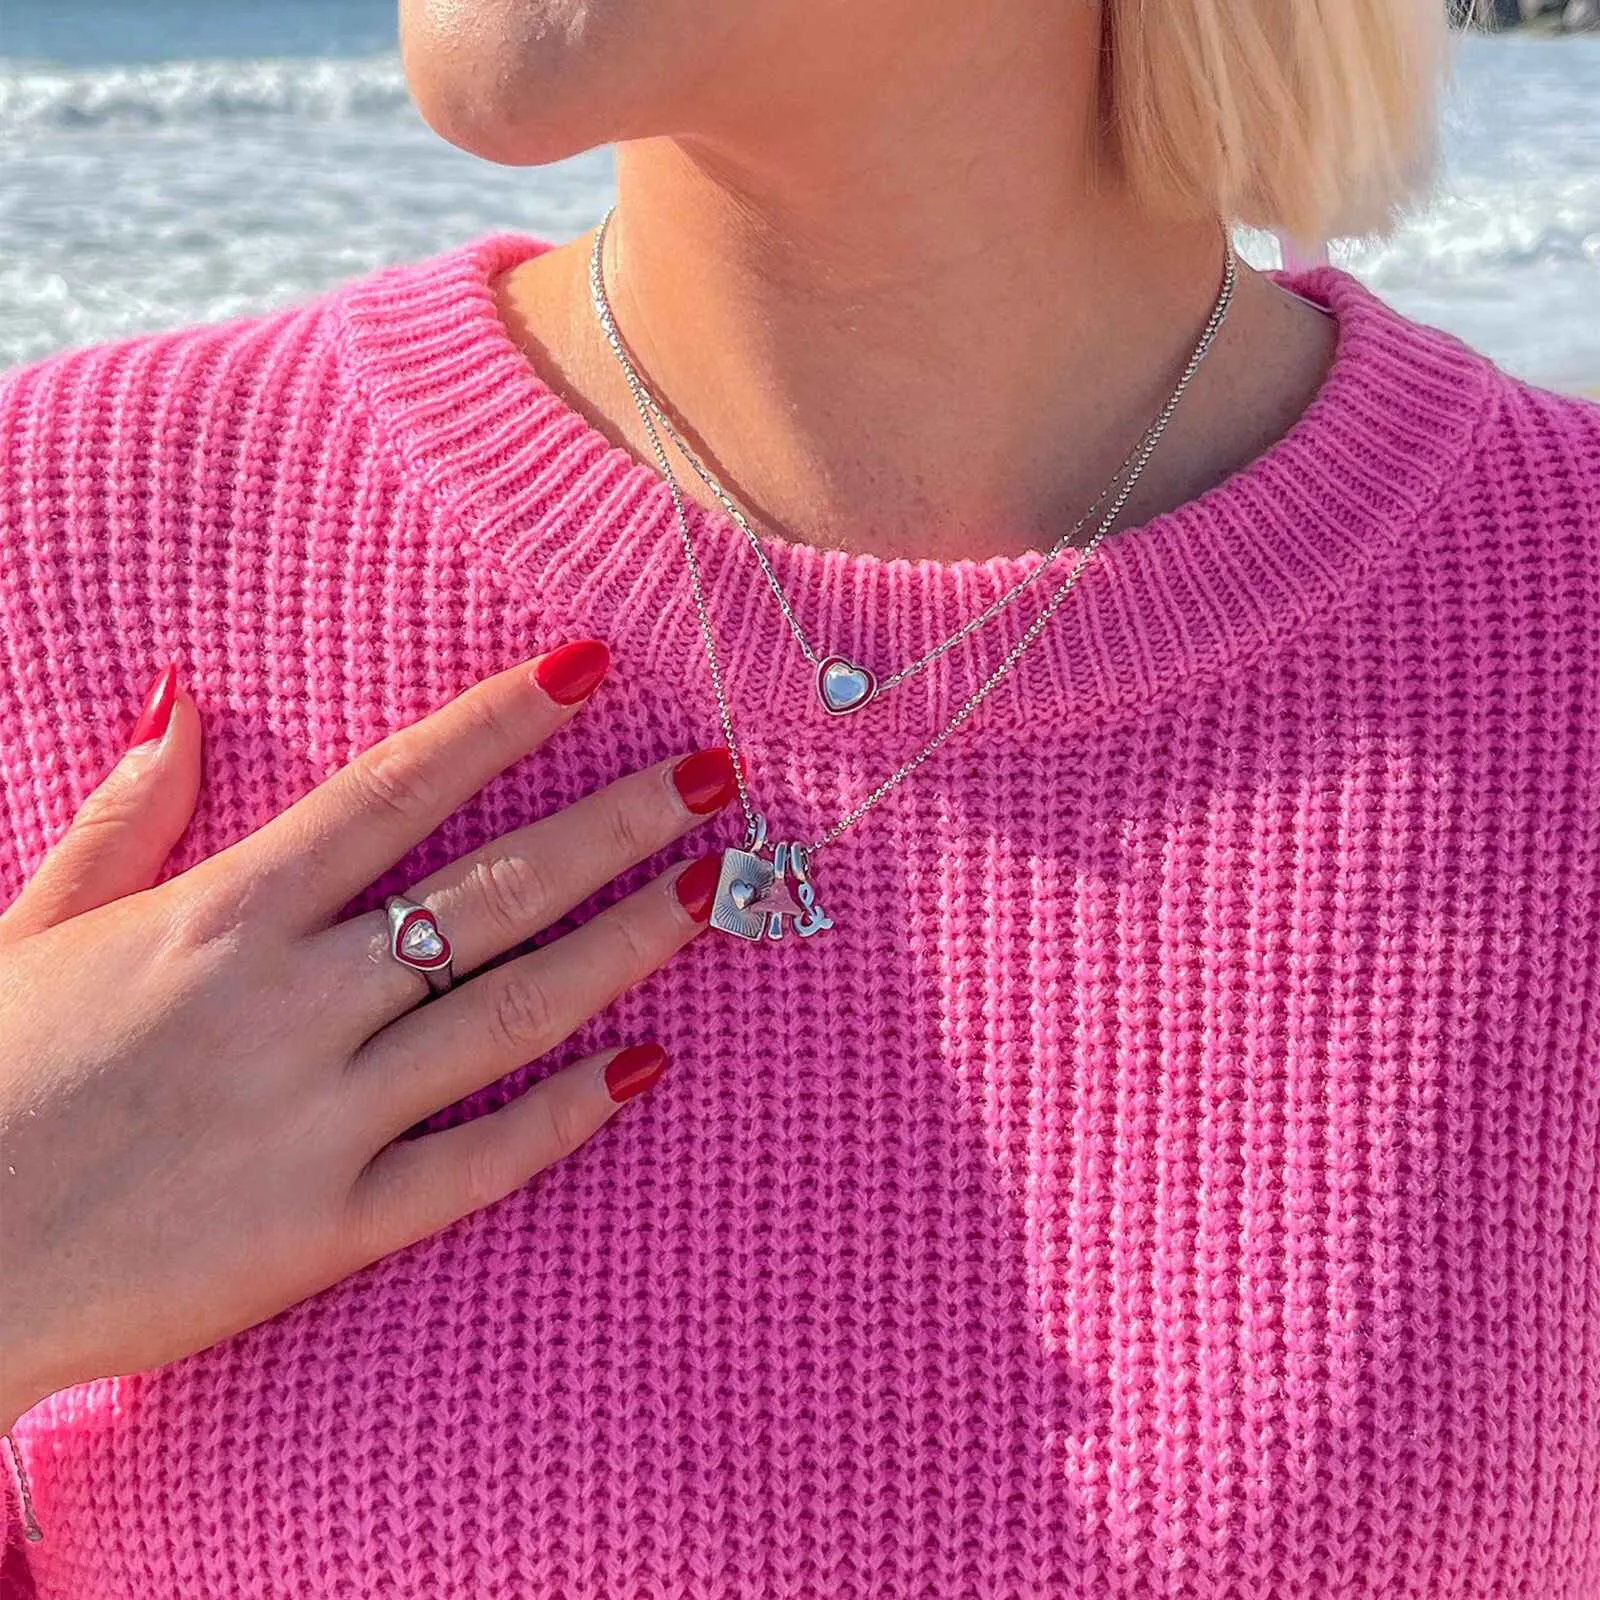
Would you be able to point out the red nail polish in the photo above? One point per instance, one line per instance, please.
(697, 887)
(571, 671)
(705, 779)
(633, 1070)
(158, 706)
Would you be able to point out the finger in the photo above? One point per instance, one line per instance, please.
(516, 1012)
(414, 1187)
(126, 828)
(516, 886)
(351, 828)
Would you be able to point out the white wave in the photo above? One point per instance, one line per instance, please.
(137, 197)
(41, 97)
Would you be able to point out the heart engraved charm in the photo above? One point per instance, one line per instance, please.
(843, 686)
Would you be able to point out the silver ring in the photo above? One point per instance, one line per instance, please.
(417, 941)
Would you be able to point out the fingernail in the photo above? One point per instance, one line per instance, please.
(158, 706)
(705, 779)
(633, 1070)
(571, 671)
(697, 887)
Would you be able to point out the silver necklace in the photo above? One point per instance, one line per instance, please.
(766, 881)
(842, 685)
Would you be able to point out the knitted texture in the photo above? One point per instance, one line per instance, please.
(1178, 1171)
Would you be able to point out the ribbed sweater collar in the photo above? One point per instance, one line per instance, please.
(584, 525)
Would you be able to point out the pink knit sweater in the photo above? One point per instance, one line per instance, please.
(1178, 1172)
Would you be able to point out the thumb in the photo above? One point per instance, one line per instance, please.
(126, 827)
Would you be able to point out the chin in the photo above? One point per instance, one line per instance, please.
(515, 83)
(517, 140)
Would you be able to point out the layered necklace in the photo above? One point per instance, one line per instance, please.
(768, 884)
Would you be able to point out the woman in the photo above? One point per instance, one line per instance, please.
(1132, 1127)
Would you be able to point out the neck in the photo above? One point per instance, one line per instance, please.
(940, 348)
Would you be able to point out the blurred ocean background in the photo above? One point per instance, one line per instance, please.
(168, 161)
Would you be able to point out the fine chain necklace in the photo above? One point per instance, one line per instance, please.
(842, 685)
(765, 881)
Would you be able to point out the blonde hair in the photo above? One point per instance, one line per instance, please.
(1309, 117)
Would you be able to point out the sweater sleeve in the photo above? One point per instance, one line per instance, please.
(16, 1576)
(141, 486)
(98, 468)
(126, 502)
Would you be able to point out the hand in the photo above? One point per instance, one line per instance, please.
(203, 1082)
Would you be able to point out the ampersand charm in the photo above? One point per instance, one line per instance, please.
(758, 889)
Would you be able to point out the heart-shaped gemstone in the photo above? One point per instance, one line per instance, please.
(422, 944)
(843, 686)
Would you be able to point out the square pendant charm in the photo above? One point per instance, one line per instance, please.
(745, 878)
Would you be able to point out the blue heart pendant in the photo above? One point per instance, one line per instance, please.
(842, 686)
